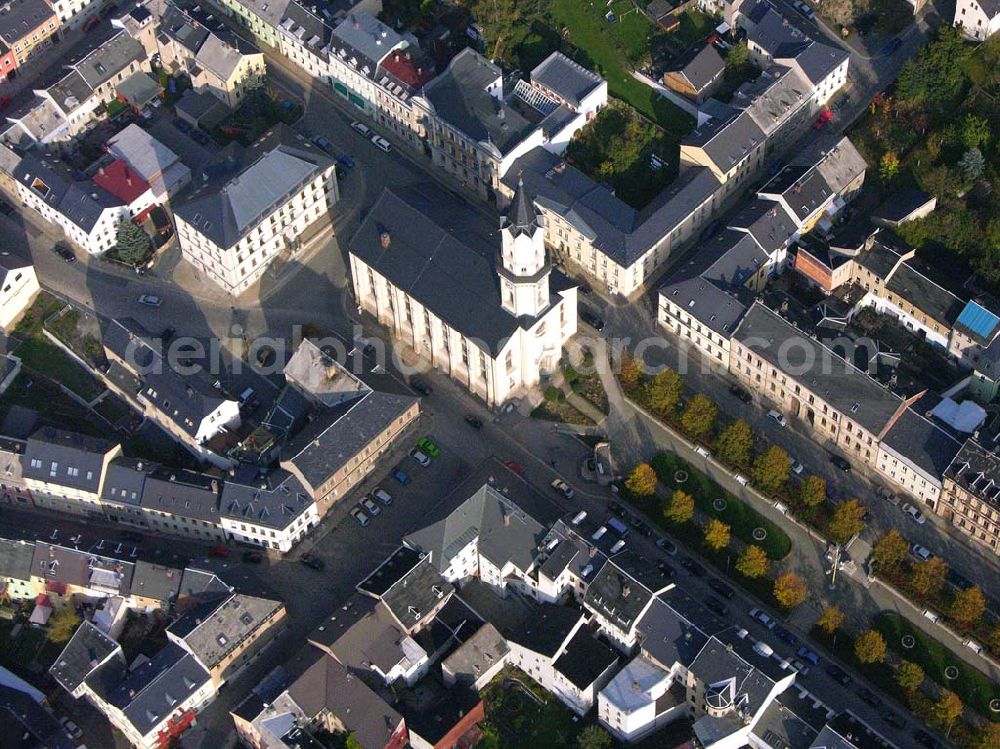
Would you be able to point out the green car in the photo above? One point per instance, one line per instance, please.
(425, 444)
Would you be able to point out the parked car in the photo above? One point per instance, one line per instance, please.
(838, 674)
(420, 457)
(840, 462)
(312, 562)
(421, 387)
(64, 252)
(382, 496)
(473, 422)
(563, 488)
(692, 567)
(721, 588)
(183, 125)
(361, 128)
(959, 580)
(797, 468)
(72, 729)
(252, 557)
(591, 318)
(425, 445)
(358, 514)
(514, 466)
(371, 507)
(150, 300)
(785, 636)
(323, 143)
(921, 552)
(381, 143)
(916, 515)
(344, 160)
(740, 393)
(869, 697)
(807, 655)
(218, 551)
(400, 475)
(716, 606)
(802, 668)
(616, 509)
(778, 417)
(762, 618)
(666, 546)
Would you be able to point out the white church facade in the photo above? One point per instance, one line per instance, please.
(493, 321)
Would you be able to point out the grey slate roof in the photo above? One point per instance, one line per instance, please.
(156, 581)
(374, 641)
(901, 204)
(460, 98)
(274, 501)
(328, 686)
(20, 17)
(727, 142)
(977, 470)
(617, 596)
(213, 636)
(180, 492)
(700, 67)
(570, 81)
(81, 201)
(51, 450)
(817, 61)
(920, 441)
(772, 32)
(124, 481)
(585, 659)
(923, 293)
(414, 595)
(364, 39)
(780, 726)
(718, 662)
(147, 694)
(667, 637)
(70, 91)
(341, 432)
(139, 88)
(66, 566)
(843, 386)
(479, 653)
(15, 559)
(546, 629)
(767, 222)
(307, 28)
(109, 59)
(804, 189)
(21, 716)
(774, 97)
(240, 194)
(87, 648)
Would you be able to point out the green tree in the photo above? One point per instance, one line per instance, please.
(62, 624)
(847, 521)
(987, 737)
(752, 562)
(131, 243)
(947, 710)
(888, 166)
(629, 374)
(812, 491)
(909, 676)
(972, 163)
(870, 647)
(889, 551)
(594, 737)
(642, 481)
(699, 416)
(830, 619)
(680, 508)
(770, 469)
(928, 578)
(664, 391)
(790, 590)
(716, 534)
(993, 639)
(353, 742)
(974, 131)
(735, 443)
(935, 80)
(968, 605)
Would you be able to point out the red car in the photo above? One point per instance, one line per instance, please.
(218, 551)
(515, 467)
(825, 116)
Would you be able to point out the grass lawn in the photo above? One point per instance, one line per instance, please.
(517, 720)
(559, 411)
(613, 49)
(694, 27)
(742, 518)
(971, 685)
(30, 645)
(113, 409)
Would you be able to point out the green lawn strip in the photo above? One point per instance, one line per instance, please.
(694, 27)
(560, 411)
(972, 686)
(46, 358)
(609, 47)
(741, 518)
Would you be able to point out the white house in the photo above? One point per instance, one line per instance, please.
(978, 19)
(18, 289)
(493, 328)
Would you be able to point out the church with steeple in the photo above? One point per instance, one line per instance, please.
(493, 318)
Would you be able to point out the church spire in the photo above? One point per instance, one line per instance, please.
(521, 213)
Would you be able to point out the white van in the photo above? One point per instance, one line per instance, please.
(579, 517)
(740, 479)
(703, 452)
(781, 507)
(619, 545)
(972, 645)
(599, 533)
(931, 615)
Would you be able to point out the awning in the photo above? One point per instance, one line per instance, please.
(357, 100)
(340, 88)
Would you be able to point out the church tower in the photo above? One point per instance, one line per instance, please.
(523, 268)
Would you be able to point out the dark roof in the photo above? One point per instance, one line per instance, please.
(842, 385)
(585, 659)
(18, 18)
(768, 222)
(58, 451)
(776, 35)
(274, 501)
(199, 584)
(338, 434)
(212, 633)
(667, 636)
(124, 480)
(977, 470)
(28, 725)
(545, 631)
(918, 440)
(617, 596)
(15, 559)
(362, 41)
(374, 642)
(880, 258)
(931, 298)
(156, 581)
(803, 188)
(727, 142)
(779, 726)
(397, 566)
(245, 186)
(700, 67)
(80, 201)
(460, 98)
(109, 59)
(181, 492)
(456, 283)
(846, 724)
(86, 649)
(63, 565)
(328, 686)
(570, 81)
(521, 215)
(147, 694)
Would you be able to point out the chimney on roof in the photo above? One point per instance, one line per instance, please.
(626, 590)
(384, 239)
(173, 476)
(215, 486)
(101, 171)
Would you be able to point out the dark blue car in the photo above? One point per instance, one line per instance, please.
(344, 160)
(400, 475)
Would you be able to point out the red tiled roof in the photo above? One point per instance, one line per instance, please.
(414, 72)
(121, 181)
